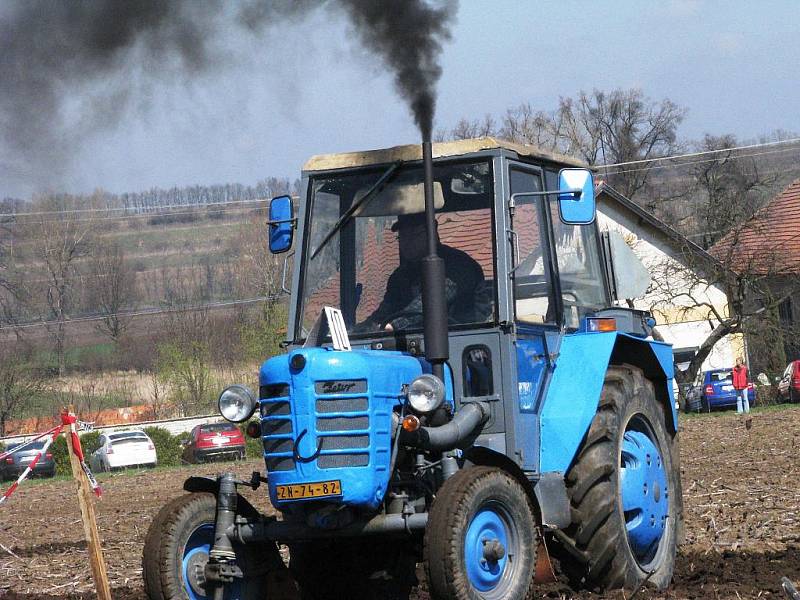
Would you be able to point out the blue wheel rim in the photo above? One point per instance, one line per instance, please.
(645, 492)
(198, 543)
(489, 525)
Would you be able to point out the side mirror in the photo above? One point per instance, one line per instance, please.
(281, 224)
(576, 203)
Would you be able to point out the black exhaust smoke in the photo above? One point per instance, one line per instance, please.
(408, 35)
(72, 69)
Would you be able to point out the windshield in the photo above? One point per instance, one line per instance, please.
(370, 268)
(579, 267)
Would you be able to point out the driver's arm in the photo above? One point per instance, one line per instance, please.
(411, 315)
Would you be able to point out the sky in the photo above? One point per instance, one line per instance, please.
(307, 87)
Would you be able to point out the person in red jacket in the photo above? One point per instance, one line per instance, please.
(740, 385)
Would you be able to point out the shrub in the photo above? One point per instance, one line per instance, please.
(59, 450)
(168, 446)
(90, 442)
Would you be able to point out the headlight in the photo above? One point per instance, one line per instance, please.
(237, 403)
(426, 393)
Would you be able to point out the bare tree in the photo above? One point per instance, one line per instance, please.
(112, 285)
(466, 129)
(59, 238)
(727, 289)
(598, 127)
(729, 188)
(20, 380)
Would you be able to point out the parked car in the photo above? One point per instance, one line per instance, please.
(789, 384)
(124, 449)
(212, 441)
(11, 466)
(718, 391)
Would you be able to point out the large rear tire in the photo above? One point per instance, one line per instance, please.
(176, 551)
(481, 539)
(624, 492)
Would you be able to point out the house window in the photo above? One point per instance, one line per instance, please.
(785, 313)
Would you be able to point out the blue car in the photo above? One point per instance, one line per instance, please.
(718, 391)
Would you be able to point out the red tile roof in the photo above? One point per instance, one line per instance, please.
(769, 243)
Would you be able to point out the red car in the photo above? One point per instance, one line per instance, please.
(213, 441)
(789, 384)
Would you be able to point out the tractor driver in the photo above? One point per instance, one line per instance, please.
(469, 299)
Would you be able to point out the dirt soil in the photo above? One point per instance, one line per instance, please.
(740, 490)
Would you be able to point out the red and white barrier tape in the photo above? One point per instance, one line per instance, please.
(30, 441)
(53, 435)
(70, 419)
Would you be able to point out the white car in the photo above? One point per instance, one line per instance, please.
(124, 449)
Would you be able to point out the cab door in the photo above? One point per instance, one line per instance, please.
(533, 302)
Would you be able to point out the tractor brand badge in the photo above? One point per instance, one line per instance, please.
(337, 387)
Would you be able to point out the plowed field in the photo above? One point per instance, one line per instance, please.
(740, 489)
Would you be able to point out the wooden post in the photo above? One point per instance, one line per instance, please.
(86, 503)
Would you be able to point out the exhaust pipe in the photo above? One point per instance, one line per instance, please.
(434, 303)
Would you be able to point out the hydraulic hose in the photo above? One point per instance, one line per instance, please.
(450, 435)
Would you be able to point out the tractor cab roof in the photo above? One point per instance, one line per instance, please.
(413, 152)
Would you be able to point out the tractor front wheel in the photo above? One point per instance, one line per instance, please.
(176, 551)
(624, 492)
(481, 538)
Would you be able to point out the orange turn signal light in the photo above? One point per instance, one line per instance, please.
(604, 324)
(411, 423)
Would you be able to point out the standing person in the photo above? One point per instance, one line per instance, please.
(740, 385)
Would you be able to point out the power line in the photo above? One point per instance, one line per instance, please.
(697, 162)
(703, 153)
(145, 312)
(126, 208)
(149, 215)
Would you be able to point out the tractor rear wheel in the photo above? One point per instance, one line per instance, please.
(481, 540)
(624, 492)
(176, 551)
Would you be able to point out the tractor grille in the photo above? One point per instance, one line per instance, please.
(342, 423)
(276, 427)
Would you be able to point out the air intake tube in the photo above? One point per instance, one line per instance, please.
(450, 435)
(434, 303)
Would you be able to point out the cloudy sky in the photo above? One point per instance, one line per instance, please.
(306, 87)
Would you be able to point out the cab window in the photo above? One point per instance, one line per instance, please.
(533, 300)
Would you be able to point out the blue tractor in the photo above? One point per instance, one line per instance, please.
(460, 390)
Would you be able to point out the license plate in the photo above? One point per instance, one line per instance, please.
(320, 489)
(219, 440)
(727, 388)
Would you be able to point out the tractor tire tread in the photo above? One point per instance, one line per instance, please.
(448, 507)
(590, 550)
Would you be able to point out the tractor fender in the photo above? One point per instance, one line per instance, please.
(574, 392)
(548, 494)
(201, 484)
